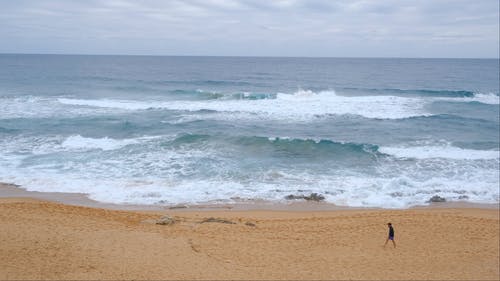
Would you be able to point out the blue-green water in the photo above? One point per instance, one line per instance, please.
(168, 130)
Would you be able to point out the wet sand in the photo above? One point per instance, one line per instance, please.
(51, 240)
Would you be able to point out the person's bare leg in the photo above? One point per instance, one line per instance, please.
(387, 240)
(394, 242)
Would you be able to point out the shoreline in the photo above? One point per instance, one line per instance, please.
(8, 190)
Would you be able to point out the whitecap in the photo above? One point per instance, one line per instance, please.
(440, 151)
(485, 98)
(302, 105)
(489, 98)
(79, 142)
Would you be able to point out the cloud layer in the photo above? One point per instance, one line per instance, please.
(391, 28)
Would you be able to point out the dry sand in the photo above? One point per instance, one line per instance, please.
(48, 240)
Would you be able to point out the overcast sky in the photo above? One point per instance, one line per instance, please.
(332, 28)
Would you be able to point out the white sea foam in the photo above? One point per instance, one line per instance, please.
(79, 142)
(440, 151)
(39, 146)
(44, 107)
(152, 173)
(109, 103)
(486, 98)
(301, 105)
(356, 191)
(26, 106)
(478, 97)
(147, 172)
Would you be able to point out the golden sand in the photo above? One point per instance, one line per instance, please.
(46, 240)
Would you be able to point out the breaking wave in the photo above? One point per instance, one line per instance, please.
(301, 105)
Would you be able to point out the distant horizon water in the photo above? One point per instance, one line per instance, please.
(247, 56)
(164, 130)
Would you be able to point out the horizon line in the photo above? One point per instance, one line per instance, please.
(245, 56)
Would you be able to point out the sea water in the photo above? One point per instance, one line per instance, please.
(388, 133)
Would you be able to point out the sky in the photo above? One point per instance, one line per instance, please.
(312, 28)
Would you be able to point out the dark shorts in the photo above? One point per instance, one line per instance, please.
(391, 238)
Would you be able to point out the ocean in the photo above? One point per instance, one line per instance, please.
(159, 130)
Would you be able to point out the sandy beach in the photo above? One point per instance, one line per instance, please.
(51, 240)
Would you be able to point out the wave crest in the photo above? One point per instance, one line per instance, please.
(440, 151)
(413, 92)
(303, 105)
(79, 142)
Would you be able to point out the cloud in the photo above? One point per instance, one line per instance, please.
(432, 28)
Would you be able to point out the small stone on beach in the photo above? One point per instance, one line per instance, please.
(178, 207)
(312, 197)
(165, 220)
(437, 198)
(217, 220)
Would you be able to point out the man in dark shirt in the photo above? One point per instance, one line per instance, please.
(391, 235)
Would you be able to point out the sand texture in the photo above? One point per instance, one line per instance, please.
(45, 240)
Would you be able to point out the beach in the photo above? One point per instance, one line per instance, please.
(41, 240)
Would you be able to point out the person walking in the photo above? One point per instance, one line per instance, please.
(390, 236)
